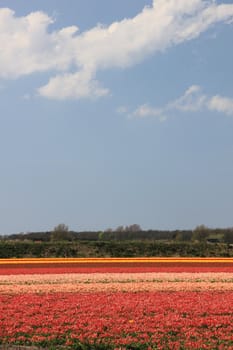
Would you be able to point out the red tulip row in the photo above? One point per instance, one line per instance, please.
(155, 320)
(120, 267)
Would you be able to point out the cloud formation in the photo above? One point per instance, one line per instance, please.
(221, 104)
(193, 100)
(74, 58)
(145, 110)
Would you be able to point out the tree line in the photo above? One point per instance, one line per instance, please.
(133, 232)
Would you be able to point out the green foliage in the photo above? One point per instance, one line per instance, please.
(17, 249)
(228, 236)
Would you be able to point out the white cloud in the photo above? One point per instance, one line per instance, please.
(164, 24)
(221, 104)
(193, 100)
(145, 110)
(75, 86)
(27, 45)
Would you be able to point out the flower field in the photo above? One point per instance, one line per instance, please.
(147, 303)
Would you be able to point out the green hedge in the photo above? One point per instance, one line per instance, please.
(17, 249)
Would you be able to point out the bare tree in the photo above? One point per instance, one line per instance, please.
(120, 229)
(61, 233)
(61, 228)
(200, 233)
(134, 228)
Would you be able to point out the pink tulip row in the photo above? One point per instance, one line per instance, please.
(113, 282)
(121, 277)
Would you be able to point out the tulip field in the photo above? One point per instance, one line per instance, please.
(117, 303)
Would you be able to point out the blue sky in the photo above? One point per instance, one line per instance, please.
(114, 113)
